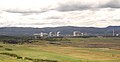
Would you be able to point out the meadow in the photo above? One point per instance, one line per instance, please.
(72, 50)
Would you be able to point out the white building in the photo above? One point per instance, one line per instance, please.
(58, 33)
(44, 35)
(39, 35)
(36, 36)
(50, 34)
(77, 33)
(117, 34)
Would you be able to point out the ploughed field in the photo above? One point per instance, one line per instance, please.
(70, 50)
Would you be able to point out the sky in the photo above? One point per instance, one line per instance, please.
(54, 13)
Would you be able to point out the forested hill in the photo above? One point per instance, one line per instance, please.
(28, 31)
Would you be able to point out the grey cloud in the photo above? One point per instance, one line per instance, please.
(54, 17)
(18, 11)
(39, 23)
(116, 20)
(69, 6)
(72, 6)
(112, 4)
(102, 20)
(25, 12)
(33, 18)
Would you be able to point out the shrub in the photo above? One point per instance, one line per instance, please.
(27, 58)
(1, 46)
(10, 54)
(44, 60)
(8, 49)
(19, 57)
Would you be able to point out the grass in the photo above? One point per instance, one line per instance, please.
(26, 51)
(62, 53)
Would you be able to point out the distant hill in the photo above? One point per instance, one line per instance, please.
(28, 31)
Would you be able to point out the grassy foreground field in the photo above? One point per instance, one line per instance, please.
(54, 53)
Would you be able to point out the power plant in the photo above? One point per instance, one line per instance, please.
(57, 34)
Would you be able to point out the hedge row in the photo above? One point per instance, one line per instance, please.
(28, 58)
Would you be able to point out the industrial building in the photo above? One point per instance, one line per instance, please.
(77, 33)
(44, 35)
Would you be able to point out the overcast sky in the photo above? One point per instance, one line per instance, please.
(53, 13)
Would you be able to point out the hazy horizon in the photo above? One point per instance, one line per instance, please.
(56, 13)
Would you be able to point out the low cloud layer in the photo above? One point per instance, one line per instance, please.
(87, 4)
(36, 13)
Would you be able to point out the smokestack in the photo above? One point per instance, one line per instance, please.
(58, 33)
(113, 32)
(41, 34)
(50, 33)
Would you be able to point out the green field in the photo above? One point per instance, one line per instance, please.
(74, 50)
